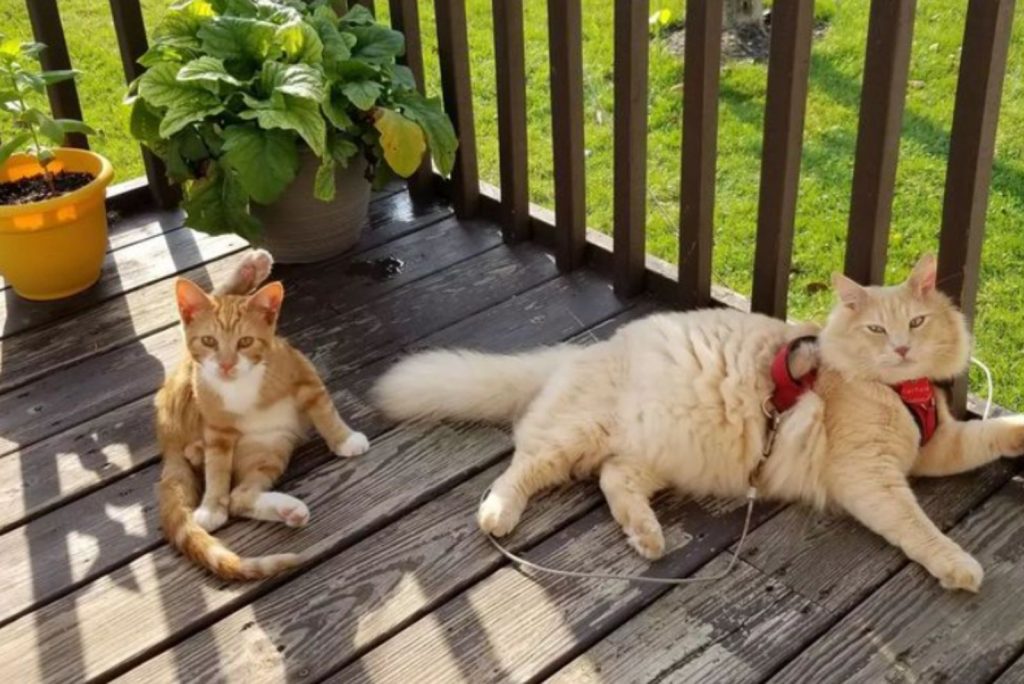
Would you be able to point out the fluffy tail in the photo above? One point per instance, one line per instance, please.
(179, 494)
(466, 385)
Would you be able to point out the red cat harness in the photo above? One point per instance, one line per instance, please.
(917, 395)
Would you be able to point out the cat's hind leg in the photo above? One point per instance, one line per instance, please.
(885, 504)
(628, 493)
(257, 470)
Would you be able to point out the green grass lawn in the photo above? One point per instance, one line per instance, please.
(827, 167)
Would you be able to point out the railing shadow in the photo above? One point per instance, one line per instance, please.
(97, 533)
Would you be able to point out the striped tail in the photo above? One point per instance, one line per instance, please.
(179, 494)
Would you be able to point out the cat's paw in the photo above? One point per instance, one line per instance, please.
(210, 519)
(280, 507)
(355, 444)
(647, 539)
(959, 571)
(498, 516)
(252, 270)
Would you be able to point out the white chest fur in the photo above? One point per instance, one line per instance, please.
(240, 394)
(277, 420)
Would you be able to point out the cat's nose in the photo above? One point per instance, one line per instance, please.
(903, 351)
(227, 366)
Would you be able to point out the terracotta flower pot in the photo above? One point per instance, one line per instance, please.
(299, 228)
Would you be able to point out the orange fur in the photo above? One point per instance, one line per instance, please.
(232, 413)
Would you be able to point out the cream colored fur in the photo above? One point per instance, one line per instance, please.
(675, 401)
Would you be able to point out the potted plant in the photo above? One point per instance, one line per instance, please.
(276, 116)
(53, 219)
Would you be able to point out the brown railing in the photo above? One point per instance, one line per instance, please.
(969, 165)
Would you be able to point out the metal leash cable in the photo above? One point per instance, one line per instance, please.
(522, 562)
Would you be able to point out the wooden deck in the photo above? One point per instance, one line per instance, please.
(403, 588)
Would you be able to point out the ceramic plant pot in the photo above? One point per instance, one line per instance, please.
(299, 228)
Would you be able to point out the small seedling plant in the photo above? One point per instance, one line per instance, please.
(21, 81)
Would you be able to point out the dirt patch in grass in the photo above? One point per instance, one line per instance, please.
(747, 42)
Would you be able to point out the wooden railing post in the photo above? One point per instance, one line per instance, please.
(405, 17)
(886, 66)
(788, 67)
(131, 39)
(453, 54)
(47, 29)
(566, 54)
(630, 179)
(971, 148)
(510, 77)
(699, 150)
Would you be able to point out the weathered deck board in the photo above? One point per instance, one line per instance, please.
(151, 308)
(519, 627)
(127, 230)
(65, 398)
(394, 320)
(145, 603)
(913, 630)
(1014, 674)
(366, 593)
(813, 569)
(718, 632)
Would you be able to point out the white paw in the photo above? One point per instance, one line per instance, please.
(647, 539)
(355, 445)
(498, 516)
(210, 519)
(960, 571)
(279, 507)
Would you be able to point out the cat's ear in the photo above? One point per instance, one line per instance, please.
(922, 279)
(851, 293)
(191, 299)
(267, 301)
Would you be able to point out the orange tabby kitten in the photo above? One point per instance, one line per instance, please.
(237, 406)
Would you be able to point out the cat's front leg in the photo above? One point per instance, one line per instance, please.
(219, 445)
(959, 446)
(881, 499)
(315, 401)
(628, 492)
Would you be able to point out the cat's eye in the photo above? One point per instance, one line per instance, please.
(208, 341)
(877, 329)
(245, 342)
(917, 322)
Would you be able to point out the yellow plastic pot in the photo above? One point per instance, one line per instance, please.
(55, 248)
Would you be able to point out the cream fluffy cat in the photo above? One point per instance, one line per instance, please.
(236, 407)
(675, 401)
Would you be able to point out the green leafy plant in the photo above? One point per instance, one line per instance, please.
(236, 88)
(34, 130)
